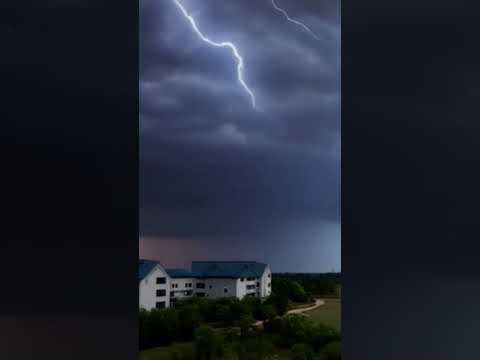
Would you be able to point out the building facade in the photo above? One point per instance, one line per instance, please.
(161, 288)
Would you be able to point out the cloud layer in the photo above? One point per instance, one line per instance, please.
(215, 172)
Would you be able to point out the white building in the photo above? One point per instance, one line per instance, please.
(160, 287)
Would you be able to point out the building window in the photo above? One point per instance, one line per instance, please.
(210, 286)
(242, 279)
(269, 284)
(161, 292)
(225, 290)
(250, 279)
(188, 293)
(269, 275)
(161, 280)
(200, 294)
(160, 305)
(258, 284)
(174, 286)
(172, 293)
(250, 287)
(200, 285)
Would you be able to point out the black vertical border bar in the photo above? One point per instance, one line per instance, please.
(410, 155)
(69, 179)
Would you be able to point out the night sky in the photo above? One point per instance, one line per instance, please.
(218, 179)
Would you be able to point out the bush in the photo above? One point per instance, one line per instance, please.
(208, 343)
(295, 329)
(224, 314)
(256, 348)
(268, 312)
(321, 335)
(331, 351)
(274, 326)
(181, 353)
(246, 325)
(279, 302)
(296, 292)
(189, 319)
(302, 352)
(160, 327)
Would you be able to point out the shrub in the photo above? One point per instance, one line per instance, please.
(189, 319)
(321, 335)
(268, 312)
(256, 348)
(207, 343)
(224, 314)
(332, 351)
(302, 352)
(246, 324)
(181, 353)
(279, 302)
(160, 327)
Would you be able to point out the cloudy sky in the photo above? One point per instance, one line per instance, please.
(219, 179)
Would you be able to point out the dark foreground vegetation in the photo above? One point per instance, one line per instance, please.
(225, 329)
(314, 285)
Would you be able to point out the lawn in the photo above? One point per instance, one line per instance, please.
(328, 314)
(161, 353)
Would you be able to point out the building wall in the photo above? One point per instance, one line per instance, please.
(179, 291)
(214, 288)
(266, 283)
(148, 289)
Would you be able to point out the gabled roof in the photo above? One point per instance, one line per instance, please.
(145, 266)
(227, 269)
(178, 273)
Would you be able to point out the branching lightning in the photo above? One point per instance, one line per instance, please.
(294, 21)
(223, 44)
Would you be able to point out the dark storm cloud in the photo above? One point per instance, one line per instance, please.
(212, 168)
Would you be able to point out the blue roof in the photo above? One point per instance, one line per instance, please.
(145, 266)
(178, 273)
(227, 269)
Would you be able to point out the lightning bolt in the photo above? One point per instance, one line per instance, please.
(223, 44)
(294, 21)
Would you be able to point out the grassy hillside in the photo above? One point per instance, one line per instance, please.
(328, 314)
(161, 353)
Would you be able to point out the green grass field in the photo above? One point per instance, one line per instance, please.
(328, 314)
(161, 353)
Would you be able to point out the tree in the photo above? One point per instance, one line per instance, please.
(320, 335)
(181, 353)
(302, 352)
(142, 340)
(296, 292)
(160, 327)
(268, 312)
(280, 303)
(332, 351)
(224, 314)
(189, 319)
(256, 348)
(245, 324)
(207, 343)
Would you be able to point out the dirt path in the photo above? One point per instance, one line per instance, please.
(318, 302)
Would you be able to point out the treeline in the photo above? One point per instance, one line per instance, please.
(294, 335)
(312, 284)
(162, 327)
